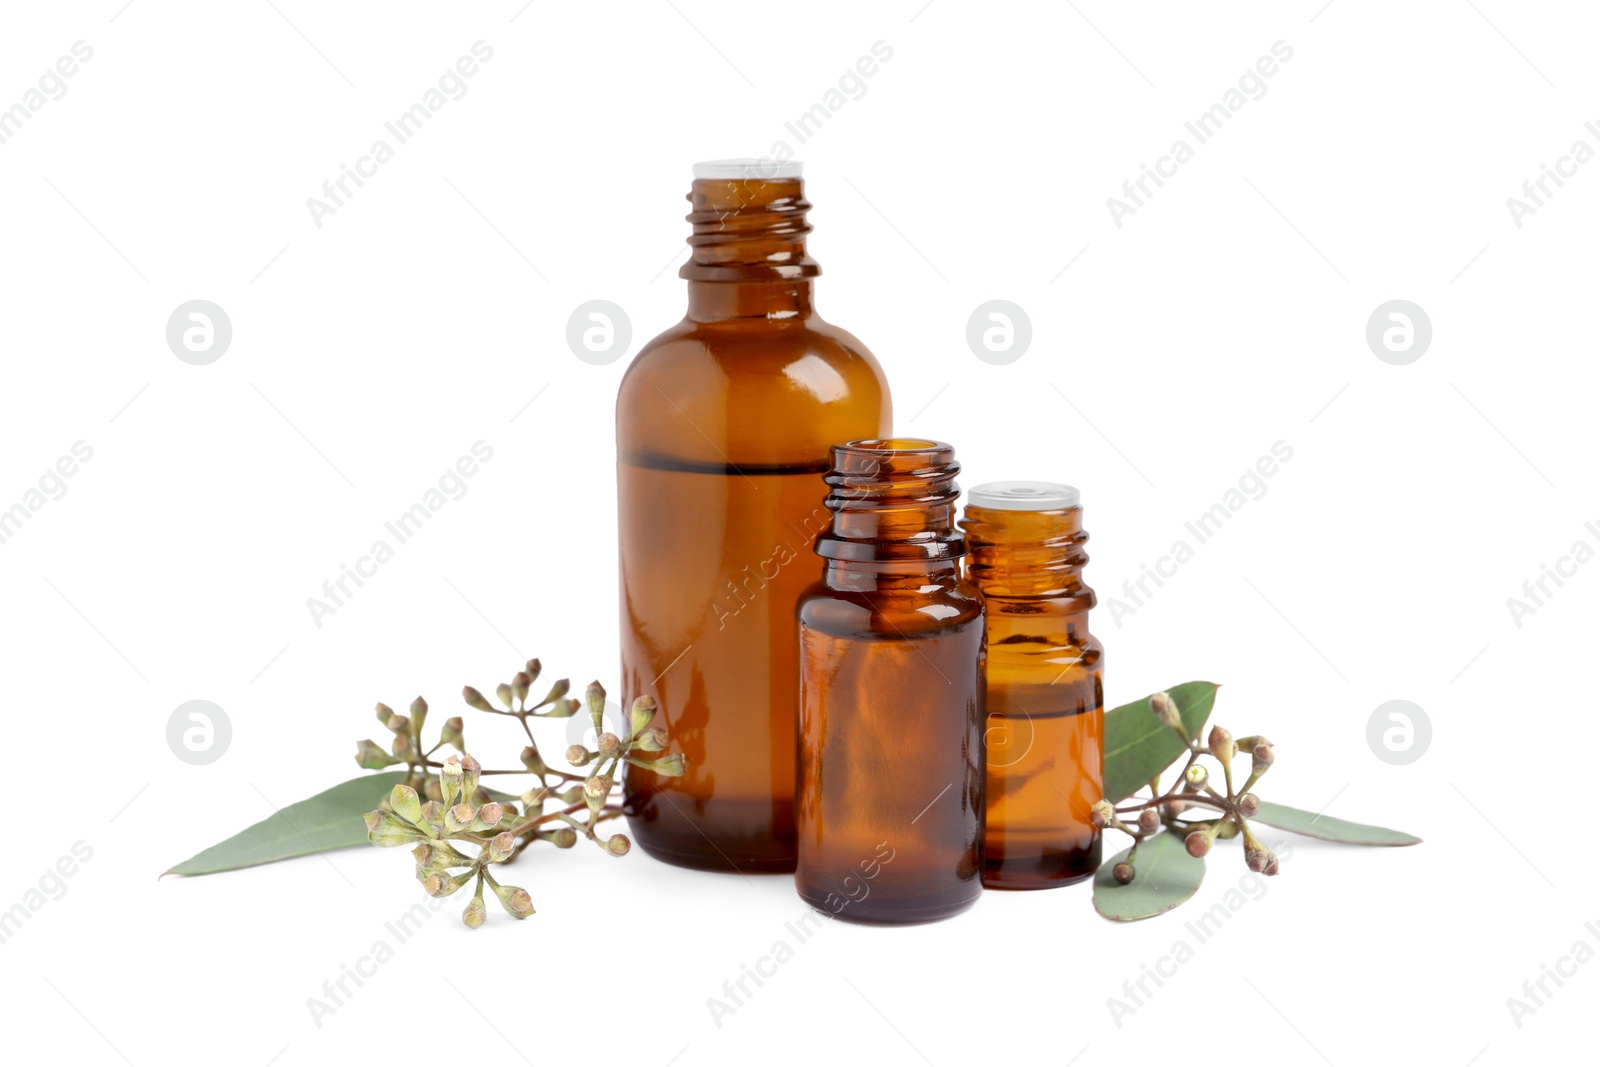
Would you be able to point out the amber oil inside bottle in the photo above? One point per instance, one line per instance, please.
(1045, 708)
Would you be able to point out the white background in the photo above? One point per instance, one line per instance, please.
(1227, 314)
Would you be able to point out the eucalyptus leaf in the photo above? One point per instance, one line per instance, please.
(1165, 876)
(328, 821)
(1138, 747)
(1327, 828)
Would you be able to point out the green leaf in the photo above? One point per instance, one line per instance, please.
(330, 820)
(1138, 747)
(1327, 828)
(1165, 876)
(327, 821)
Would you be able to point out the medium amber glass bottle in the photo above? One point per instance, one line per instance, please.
(723, 428)
(891, 695)
(1045, 711)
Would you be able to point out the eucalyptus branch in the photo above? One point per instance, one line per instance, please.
(459, 810)
(1194, 788)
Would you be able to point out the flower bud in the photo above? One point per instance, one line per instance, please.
(419, 715)
(565, 837)
(1166, 709)
(644, 709)
(596, 788)
(389, 827)
(475, 699)
(515, 900)
(669, 766)
(1123, 873)
(501, 847)
(1102, 814)
(475, 913)
(619, 845)
(459, 818)
(470, 770)
(450, 734)
(433, 813)
(578, 756)
(384, 713)
(1249, 804)
(489, 816)
(450, 778)
(1198, 843)
(1149, 820)
(401, 746)
(595, 697)
(652, 740)
(1271, 869)
(610, 744)
(503, 694)
(372, 757)
(573, 795)
(1261, 758)
(532, 760)
(1257, 856)
(398, 724)
(519, 686)
(433, 790)
(1221, 744)
(403, 799)
(443, 884)
(1196, 774)
(535, 798)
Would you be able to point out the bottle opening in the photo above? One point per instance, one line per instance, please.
(762, 168)
(1023, 496)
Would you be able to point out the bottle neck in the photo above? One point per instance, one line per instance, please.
(718, 301)
(747, 254)
(893, 505)
(1036, 554)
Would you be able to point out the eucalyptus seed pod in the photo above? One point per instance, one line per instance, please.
(639, 716)
(1196, 775)
(384, 713)
(519, 686)
(533, 761)
(475, 699)
(459, 818)
(1249, 804)
(515, 900)
(443, 884)
(488, 817)
(565, 837)
(403, 800)
(1261, 759)
(1123, 873)
(652, 740)
(1166, 709)
(450, 779)
(1149, 820)
(501, 846)
(619, 845)
(470, 771)
(1221, 744)
(475, 913)
(372, 757)
(450, 734)
(419, 716)
(595, 697)
(579, 756)
(1102, 814)
(609, 745)
(398, 724)
(401, 747)
(503, 693)
(1198, 843)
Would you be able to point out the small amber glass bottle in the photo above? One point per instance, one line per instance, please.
(889, 808)
(1045, 711)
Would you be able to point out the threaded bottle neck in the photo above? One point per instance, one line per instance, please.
(748, 229)
(1016, 553)
(893, 500)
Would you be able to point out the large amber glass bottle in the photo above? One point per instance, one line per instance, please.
(892, 695)
(724, 424)
(1045, 711)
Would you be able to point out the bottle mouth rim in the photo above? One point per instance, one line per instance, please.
(1023, 496)
(758, 168)
(902, 446)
